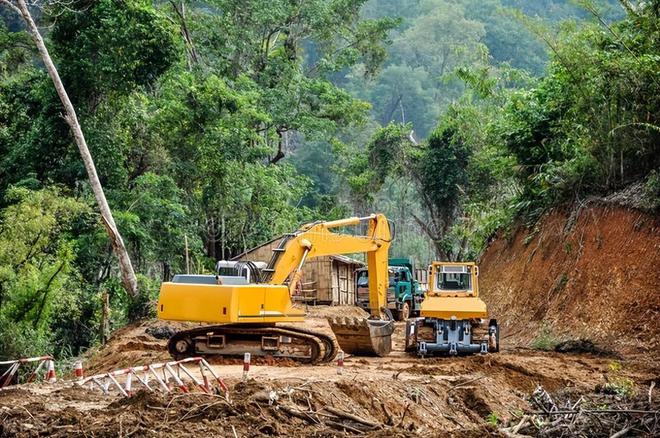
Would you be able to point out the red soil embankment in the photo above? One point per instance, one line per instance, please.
(590, 273)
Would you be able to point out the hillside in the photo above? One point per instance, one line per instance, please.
(590, 272)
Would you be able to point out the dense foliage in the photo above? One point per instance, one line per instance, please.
(515, 145)
(219, 124)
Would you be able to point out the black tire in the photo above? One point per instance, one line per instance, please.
(180, 347)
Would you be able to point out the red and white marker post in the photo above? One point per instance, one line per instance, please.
(78, 370)
(340, 362)
(129, 383)
(50, 374)
(246, 366)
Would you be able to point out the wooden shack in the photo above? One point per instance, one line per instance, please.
(326, 280)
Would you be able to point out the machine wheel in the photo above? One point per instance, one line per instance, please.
(404, 314)
(181, 348)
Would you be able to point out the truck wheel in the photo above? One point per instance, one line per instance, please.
(405, 311)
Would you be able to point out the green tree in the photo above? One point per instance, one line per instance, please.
(441, 171)
(266, 42)
(111, 46)
(37, 272)
(416, 84)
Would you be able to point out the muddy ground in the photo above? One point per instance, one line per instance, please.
(398, 395)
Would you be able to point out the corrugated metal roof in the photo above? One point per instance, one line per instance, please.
(347, 260)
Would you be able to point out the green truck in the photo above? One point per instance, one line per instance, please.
(404, 295)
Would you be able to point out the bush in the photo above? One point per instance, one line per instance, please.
(652, 191)
(545, 340)
(143, 306)
(20, 339)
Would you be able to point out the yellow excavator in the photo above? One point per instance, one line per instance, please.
(249, 311)
(452, 316)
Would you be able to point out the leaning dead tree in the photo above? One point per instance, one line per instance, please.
(129, 280)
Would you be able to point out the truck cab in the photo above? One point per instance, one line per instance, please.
(404, 294)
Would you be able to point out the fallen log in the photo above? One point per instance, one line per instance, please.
(297, 413)
(355, 418)
(342, 426)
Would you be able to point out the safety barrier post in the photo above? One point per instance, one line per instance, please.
(78, 370)
(50, 375)
(246, 366)
(340, 362)
(216, 377)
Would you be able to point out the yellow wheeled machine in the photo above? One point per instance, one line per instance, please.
(453, 319)
(249, 311)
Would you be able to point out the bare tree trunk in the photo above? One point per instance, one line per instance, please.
(127, 274)
(193, 57)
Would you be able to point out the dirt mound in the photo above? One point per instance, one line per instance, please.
(253, 409)
(589, 273)
(336, 311)
(135, 344)
(398, 396)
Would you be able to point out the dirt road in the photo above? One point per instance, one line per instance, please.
(398, 395)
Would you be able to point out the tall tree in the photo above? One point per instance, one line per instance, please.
(129, 279)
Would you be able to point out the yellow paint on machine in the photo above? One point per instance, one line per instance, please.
(461, 304)
(225, 304)
(460, 307)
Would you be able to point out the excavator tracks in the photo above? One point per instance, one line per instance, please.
(233, 340)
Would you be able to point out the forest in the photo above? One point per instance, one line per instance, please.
(216, 125)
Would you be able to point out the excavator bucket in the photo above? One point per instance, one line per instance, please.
(363, 337)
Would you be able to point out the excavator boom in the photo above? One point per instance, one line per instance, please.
(317, 240)
(354, 335)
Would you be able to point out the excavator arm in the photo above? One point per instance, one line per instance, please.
(317, 240)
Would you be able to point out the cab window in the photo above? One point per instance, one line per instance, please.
(363, 279)
(454, 281)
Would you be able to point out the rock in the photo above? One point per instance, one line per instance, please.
(164, 332)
